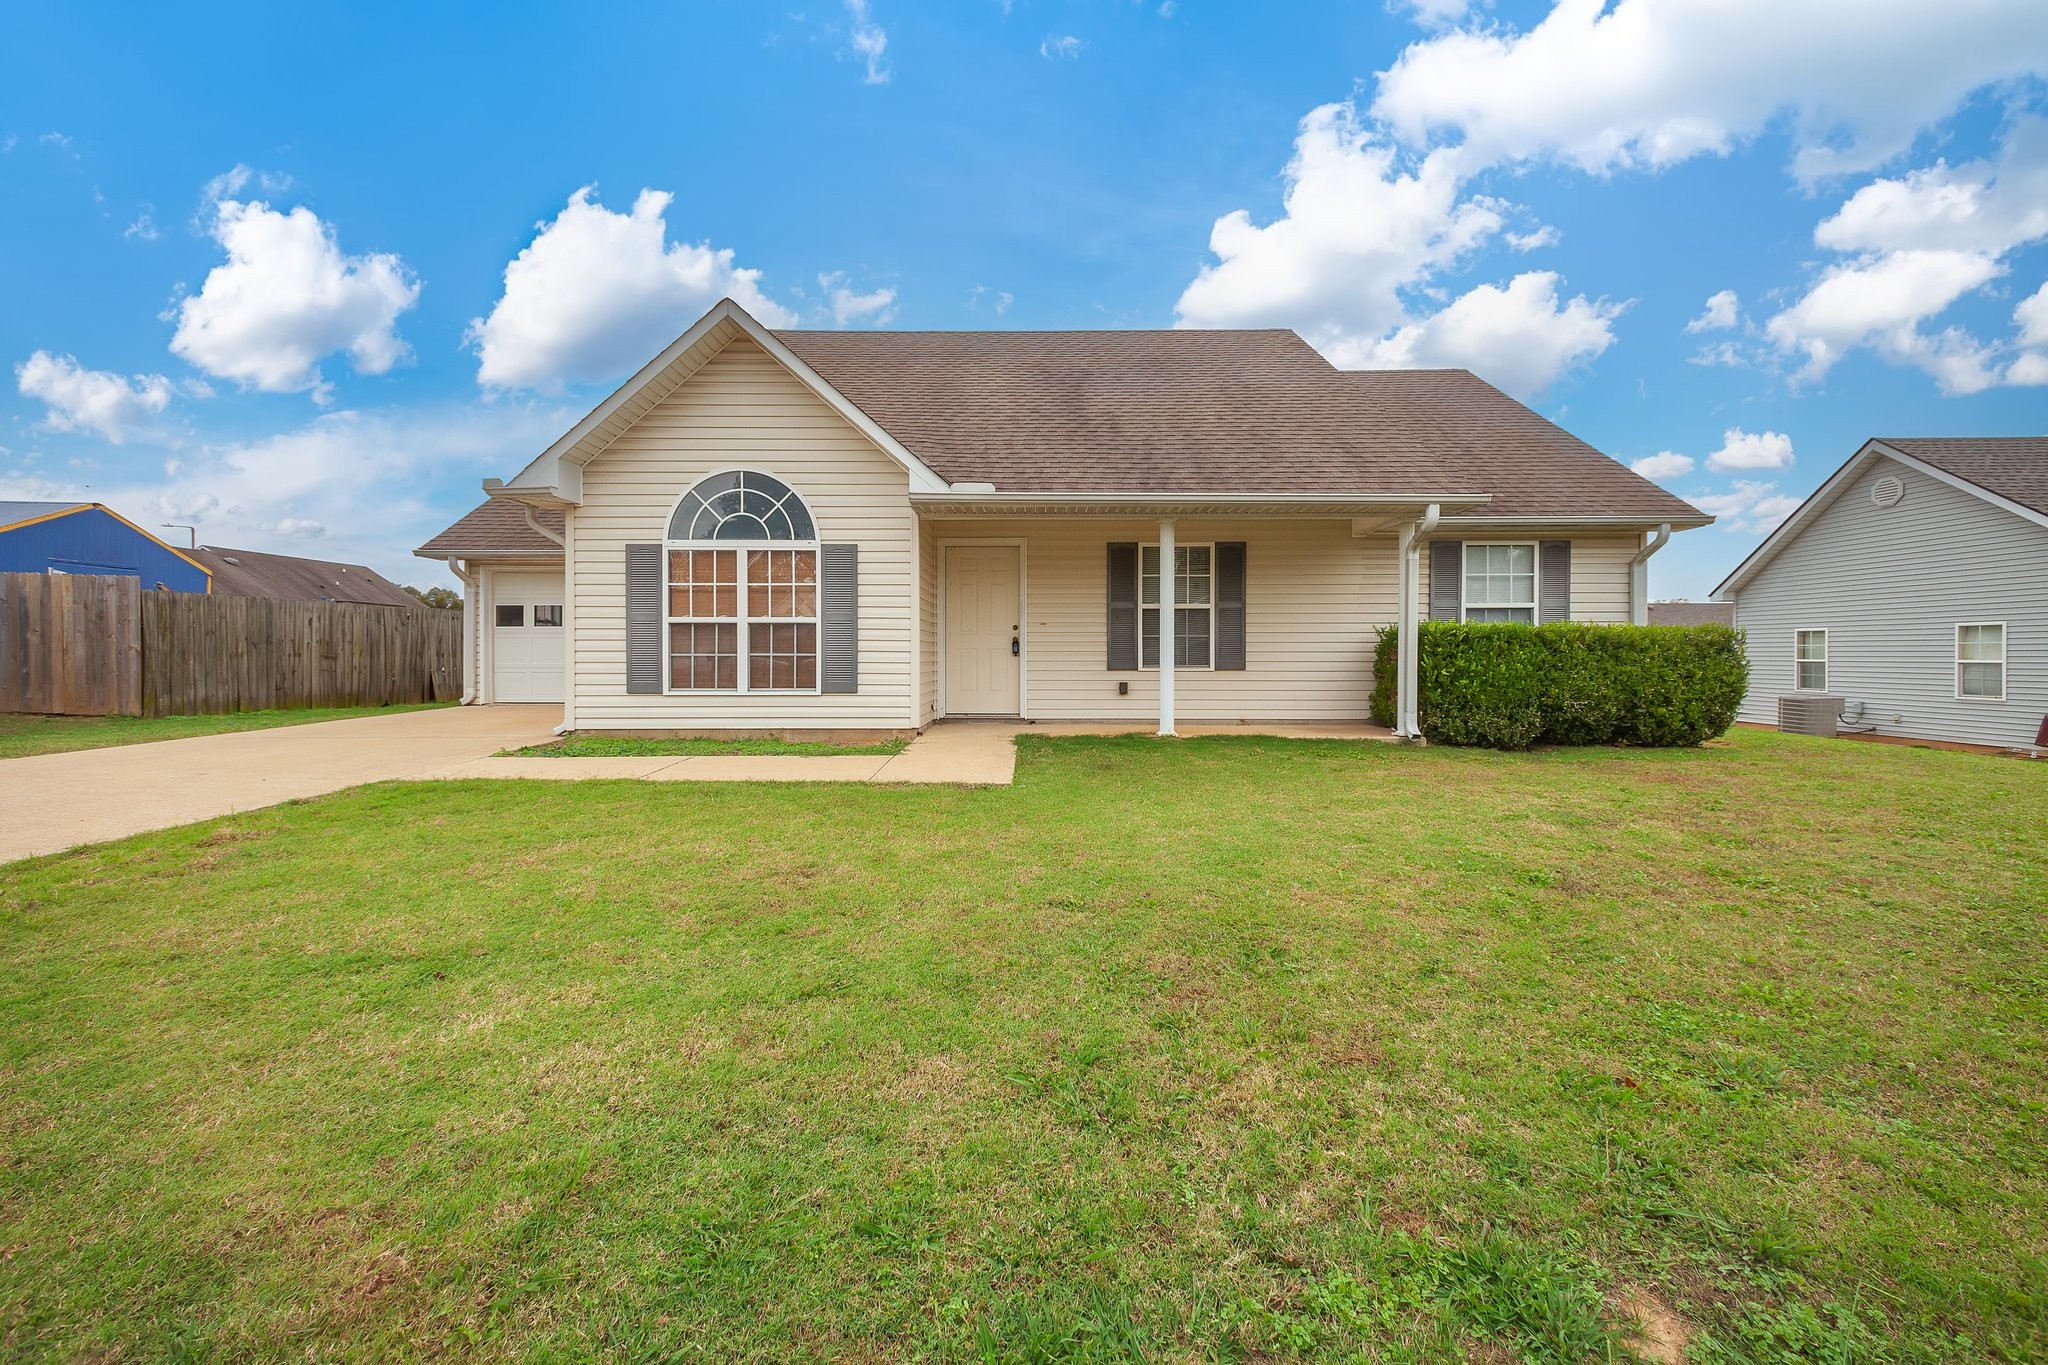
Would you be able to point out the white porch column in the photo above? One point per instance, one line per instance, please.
(1409, 681)
(1166, 591)
(1404, 624)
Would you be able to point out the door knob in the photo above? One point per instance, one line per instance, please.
(1013, 647)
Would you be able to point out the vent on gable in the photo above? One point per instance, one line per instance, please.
(1887, 491)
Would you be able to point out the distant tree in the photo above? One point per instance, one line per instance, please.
(445, 598)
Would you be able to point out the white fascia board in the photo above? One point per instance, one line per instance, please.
(557, 470)
(1275, 504)
(1603, 522)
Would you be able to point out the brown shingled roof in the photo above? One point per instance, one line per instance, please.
(1189, 411)
(2013, 467)
(496, 530)
(253, 573)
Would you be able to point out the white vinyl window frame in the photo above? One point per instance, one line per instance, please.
(744, 621)
(1979, 661)
(1809, 650)
(1465, 603)
(1180, 604)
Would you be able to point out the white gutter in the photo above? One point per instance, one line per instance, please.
(1639, 576)
(1408, 669)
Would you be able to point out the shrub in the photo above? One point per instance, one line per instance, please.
(1510, 687)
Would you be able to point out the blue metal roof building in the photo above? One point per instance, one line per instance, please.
(87, 538)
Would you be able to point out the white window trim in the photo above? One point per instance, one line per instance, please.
(1535, 603)
(2003, 654)
(744, 621)
(1824, 661)
(1178, 605)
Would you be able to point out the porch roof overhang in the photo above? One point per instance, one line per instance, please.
(1391, 509)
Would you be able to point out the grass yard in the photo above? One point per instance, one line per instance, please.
(600, 746)
(22, 735)
(1225, 1049)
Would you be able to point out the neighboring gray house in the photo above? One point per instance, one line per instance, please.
(1914, 582)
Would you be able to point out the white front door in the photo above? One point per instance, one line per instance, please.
(527, 649)
(983, 630)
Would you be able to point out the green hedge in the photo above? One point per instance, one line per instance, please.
(1511, 687)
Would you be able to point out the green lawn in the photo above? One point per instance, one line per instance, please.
(599, 746)
(1225, 1049)
(21, 735)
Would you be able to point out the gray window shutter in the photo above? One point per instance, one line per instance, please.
(1123, 606)
(1554, 583)
(1230, 604)
(643, 618)
(839, 617)
(1446, 579)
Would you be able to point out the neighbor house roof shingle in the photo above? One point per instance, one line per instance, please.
(2013, 467)
(253, 573)
(1189, 411)
(497, 528)
(1692, 613)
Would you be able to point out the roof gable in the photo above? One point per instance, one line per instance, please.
(554, 477)
(2018, 464)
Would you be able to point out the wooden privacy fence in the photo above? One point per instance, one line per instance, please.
(112, 649)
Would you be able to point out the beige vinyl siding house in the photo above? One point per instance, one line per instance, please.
(817, 532)
(1909, 542)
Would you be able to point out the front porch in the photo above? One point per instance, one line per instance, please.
(1055, 618)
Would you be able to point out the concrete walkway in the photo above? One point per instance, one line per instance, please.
(51, 802)
(966, 753)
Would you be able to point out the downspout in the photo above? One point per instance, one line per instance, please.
(1639, 576)
(1408, 680)
(466, 575)
(543, 532)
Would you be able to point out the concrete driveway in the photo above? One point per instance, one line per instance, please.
(52, 802)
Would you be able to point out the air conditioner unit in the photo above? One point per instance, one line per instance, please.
(1810, 714)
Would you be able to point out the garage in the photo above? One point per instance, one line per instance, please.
(526, 635)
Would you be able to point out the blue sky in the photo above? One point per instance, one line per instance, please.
(305, 277)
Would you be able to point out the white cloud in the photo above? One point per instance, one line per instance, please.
(1665, 464)
(1057, 46)
(876, 307)
(2031, 317)
(1752, 507)
(1520, 338)
(143, 227)
(1432, 13)
(599, 293)
(1881, 301)
(1649, 83)
(287, 298)
(1356, 230)
(1720, 313)
(1751, 450)
(298, 527)
(999, 299)
(1530, 241)
(79, 399)
(1914, 245)
(870, 42)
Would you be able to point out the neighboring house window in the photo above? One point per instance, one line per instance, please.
(1810, 660)
(1500, 584)
(547, 616)
(1980, 661)
(742, 588)
(511, 615)
(1194, 583)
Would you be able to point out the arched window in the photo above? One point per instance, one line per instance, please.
(742, 588)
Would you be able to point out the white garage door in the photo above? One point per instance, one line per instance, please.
(526, 636)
